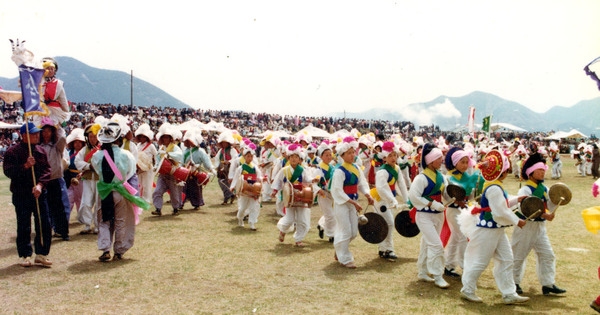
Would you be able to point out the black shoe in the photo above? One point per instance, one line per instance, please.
(331, 239)
(388, 254)
(117, 257)
(66, 238)
(595, 306)
(105, 256)
(546, 290)
(157, 212)
(321, 232)
(519, 290)
(451, 273)
(175, 212)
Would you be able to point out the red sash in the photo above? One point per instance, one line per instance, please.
(351, 189)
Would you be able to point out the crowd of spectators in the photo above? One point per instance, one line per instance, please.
(248, 124)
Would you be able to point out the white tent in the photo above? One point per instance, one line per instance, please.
(573, 134)
(192, 123)
(505, 127)
(313, 132)
(4, 125)
(10, 96)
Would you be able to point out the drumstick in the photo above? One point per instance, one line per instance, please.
(451, 201)
(558, 205)
(534, 214)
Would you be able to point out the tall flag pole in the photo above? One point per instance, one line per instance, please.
(31, 90)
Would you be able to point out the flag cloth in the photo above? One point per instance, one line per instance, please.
(30, 82)
(471, 122)
(486, 124)
(593, 75)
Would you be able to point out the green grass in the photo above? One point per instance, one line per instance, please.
(201, 262)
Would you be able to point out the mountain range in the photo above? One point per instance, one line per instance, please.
(93, 85)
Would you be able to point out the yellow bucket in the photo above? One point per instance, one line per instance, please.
(591, 218)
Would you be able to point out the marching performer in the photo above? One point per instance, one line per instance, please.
(280, 163)
(268, 158)
(249, 172)
(388, 185)
(487, 238)
(223, 160)
(347, 182)
(116, 217)
(146, 154)
(196, 157)
(457, 163)
(168, 150)
(553, 150)
(534, 235)
(298, 177)
(75, 142)
(326, 225)
(426, 196)
(89, 197)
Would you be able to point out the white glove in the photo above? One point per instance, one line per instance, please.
(395, 204)
(437, 206)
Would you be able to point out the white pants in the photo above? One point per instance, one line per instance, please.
(146, 181)
(388, 243)
(557, 169)
(300, 216)
(431, 254)
(90, 203)
(250, 206)
(327, 220)
(533, 236)
(279, 204)
(346, 229)
(485, 244)
(457, 243)
(120, 232)
(266, 191)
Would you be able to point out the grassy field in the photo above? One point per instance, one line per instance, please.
(201, 262)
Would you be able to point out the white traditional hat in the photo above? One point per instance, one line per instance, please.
(122, 121)
(109, 133)
(167, 129)
(226, 136)
(295, 149)
(144, 130)
(193, 134)
(249, 147)
(322, 148)
(387, 148)
(76, 134)
(346, 144)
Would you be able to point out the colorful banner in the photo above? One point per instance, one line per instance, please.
(486, 124)
(30, 83)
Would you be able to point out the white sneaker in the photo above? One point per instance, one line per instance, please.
(43, 260)
(241, 222)
(252, 227)
(471, 297)
(425, 277)
(25, 262)
(441, 283)
(514, 299)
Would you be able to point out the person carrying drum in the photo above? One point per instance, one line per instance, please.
(168, 152)
(267, 160)
(196, 158)
(426, 197)
(388, 182)
(534, 236)
(299, 178)
(487, 237)
(347, 182)
(248, 203)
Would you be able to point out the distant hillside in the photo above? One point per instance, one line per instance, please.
(87, 84)
(452, 112)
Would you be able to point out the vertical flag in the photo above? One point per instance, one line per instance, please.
(486, 124)
(30, 82)
(471, 122)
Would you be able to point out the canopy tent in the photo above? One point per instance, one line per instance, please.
(573, 134)
(4, 125)
(10, 96)
(276, 133)
(192, 123)
(504, 127)
(314, 132)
